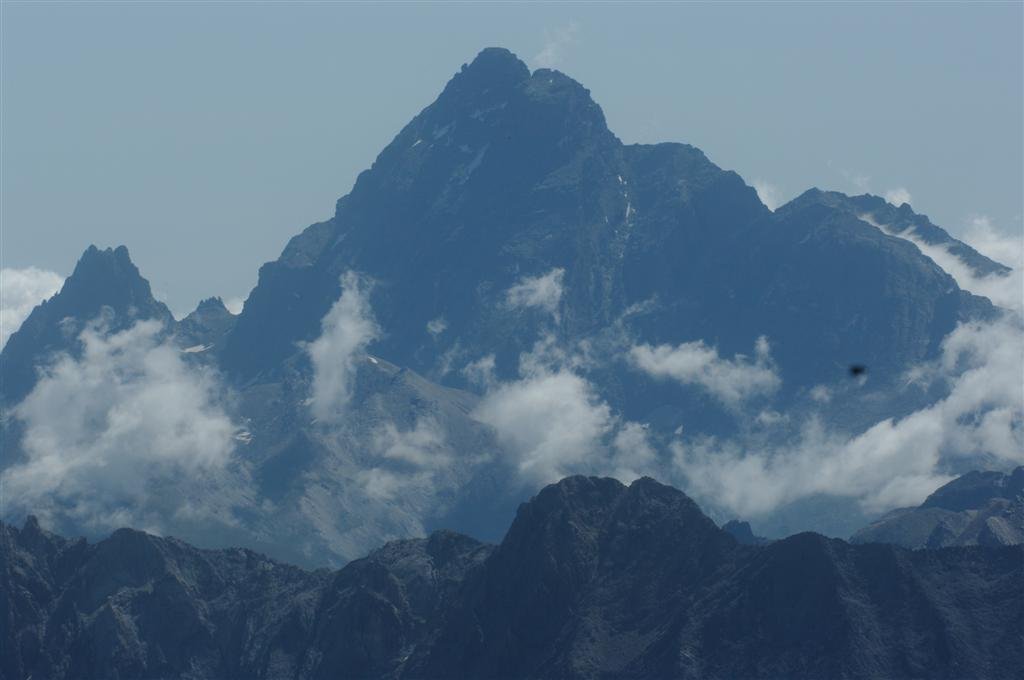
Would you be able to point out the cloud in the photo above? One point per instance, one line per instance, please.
(979, 424)
(556, 43)
(423, 446)
(408, 459)
(982, 235)
(234, 304)
(481, 371)
(126, 434)
(898, 196)
(1004, 290)
(20, 291)
(346, 330)
(768, 193)
(634, 456)
(731, 381)
(550, 420)
(542, 292)
(437, 326)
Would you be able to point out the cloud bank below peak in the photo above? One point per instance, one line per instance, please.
(127, 434)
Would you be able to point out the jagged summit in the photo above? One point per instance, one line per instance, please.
(900, 220)
(212, 304)
(206, 326)
(104, 282)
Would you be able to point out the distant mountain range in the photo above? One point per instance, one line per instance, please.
(504, 235)
(593, 579)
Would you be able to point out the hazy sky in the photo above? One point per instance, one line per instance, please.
(204, 135)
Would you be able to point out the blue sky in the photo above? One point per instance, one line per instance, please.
(204, 135)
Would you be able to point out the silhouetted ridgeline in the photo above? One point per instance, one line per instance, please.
(593, 579)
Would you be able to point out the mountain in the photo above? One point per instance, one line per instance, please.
(902, 220)
(593, 579)
(105, 287)
(509, 181)
(205, 329)
(978, 508)
(510, 174)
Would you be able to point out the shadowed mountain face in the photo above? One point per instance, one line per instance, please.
(979, 508)
(105, 288)
(593, 579)
(509, 174)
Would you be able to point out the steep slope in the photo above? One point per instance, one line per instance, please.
(205, 329)
(594, 579)
(408, 457)
(979, 508)
(903, 220)
(105, 288)
(511, 174)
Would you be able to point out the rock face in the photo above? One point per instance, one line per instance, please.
(593, 579)
(105, 288)
(979, 508)
(511, 173)
(205, 329)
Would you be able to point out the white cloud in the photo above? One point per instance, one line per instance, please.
(1006, 291)
(1004, 248)
(347, 329)
(407, 460)
(894, 463)
(633, 455)
(898, 196)
(437, 326)
(768, 193)
(423, 446)
(732, 381)
(556, 44)
(481, 371)
(551, 421)
(234, 304)
(543, 292)
(20, 291)
(127, 434)
(821, 394)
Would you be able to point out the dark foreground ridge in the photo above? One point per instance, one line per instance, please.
(593, 579)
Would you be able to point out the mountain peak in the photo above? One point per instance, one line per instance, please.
(109, 271)
(103, 280)
(495, 66)
(212, 305)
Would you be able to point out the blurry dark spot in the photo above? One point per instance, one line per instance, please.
(857, 370)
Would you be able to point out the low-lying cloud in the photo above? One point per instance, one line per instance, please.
(20, 291)
(1004, 290)
(346, 330)
(407, 458)
(768, 193)
(731, 381)
(553, 422)
(541, 292)
(126, 434)
(895, 462)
